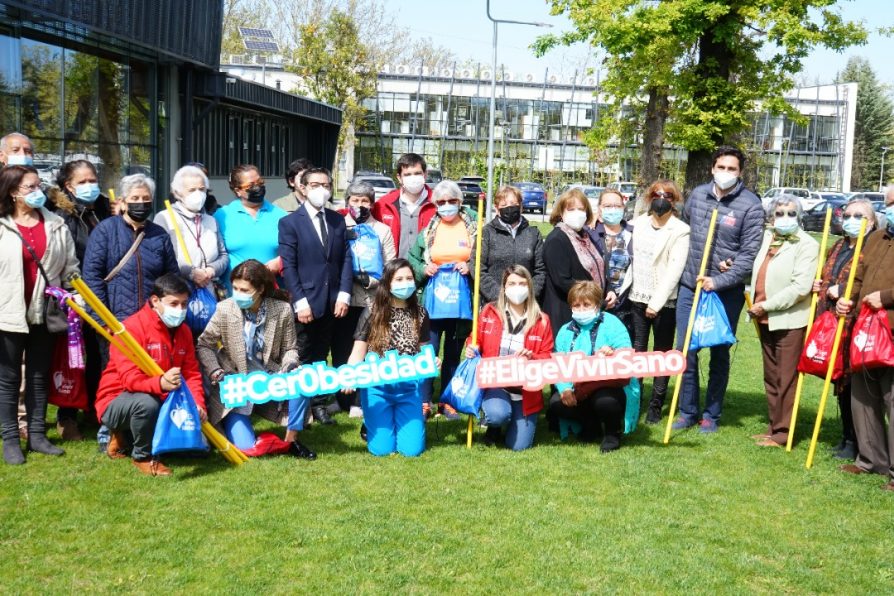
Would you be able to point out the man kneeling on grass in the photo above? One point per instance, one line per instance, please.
(128, 400)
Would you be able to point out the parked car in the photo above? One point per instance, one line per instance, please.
(815, 218)
(479, 180)
(627, 189)
(433, 176)
(808, 200)
(471, 193)
(381, 183)
(533, 196)
(879, 206)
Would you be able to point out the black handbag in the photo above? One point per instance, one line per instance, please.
(54, 315)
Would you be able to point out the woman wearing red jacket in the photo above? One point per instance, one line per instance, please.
(513, 325)
(128, 400)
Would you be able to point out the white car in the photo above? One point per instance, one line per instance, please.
(381, 184)
(808, 199)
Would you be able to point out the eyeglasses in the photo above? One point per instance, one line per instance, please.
(660, 194)
(856, 216)
(784, 213)
(35, 186)
(319, 185)
(447, 202)
(258, 182)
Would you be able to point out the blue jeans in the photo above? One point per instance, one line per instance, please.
(499, 409)
(394, 420)
(297, 413)
(733, 300)
(454, 332)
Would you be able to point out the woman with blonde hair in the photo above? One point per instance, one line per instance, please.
(513, 325)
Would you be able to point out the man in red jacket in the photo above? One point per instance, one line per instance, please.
(128, 400)
(408, 209)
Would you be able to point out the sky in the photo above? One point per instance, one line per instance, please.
(463, 26)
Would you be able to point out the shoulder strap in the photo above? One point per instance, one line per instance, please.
(33, 253)
(127, 256)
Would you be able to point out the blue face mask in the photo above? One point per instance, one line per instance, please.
(448, 210)
(35, 199)
(785, 225)
(402, 292)
(172, 317)
(19, 160)
(87, 192)
(851, 226)
(585, 318)
(612, 215)
(243, 300)
(889, 215)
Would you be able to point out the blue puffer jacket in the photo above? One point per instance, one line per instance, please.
(126, 293)
(737, 235)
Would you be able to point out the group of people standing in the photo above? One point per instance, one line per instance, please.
(295, 282)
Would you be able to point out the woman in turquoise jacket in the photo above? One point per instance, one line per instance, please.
(605, 410)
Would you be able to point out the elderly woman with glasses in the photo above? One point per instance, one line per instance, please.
(446, 243)
(782, 279)
(249, 225)
(661, 245)
(829, 288)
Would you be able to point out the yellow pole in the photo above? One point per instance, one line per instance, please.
(748, 305)
(99, 328)
(476, 298)
(138, 356)
(177, 232)
(698, 291)
(835, 345)
(814, 299)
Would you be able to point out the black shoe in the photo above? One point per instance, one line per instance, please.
(363, 432)
(493, 436)
(611, 442)
(322, 416)
(301, 452)
(12, 452)
(847, 451)
(653, 416)
(40, 444)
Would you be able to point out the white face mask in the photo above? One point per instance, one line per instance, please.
(318, 196)
(517, 294)
(413, 183)
(575, 219)
(725, 180)
(194, 201)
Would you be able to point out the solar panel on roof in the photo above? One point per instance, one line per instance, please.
(252, 32)
(261, 46)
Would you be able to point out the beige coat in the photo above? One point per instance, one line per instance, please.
(59, 261)
(222, 346)
(789, 280)
(660, 278)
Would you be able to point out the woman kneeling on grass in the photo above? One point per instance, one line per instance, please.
(605, 408)
(395, 321)
(513, 325)
(253, 331)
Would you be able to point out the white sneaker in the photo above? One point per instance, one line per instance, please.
(355, 412)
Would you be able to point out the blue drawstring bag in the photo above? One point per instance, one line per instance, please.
(366, 252)
(711, 327)
(462, 393)
(447, 295)
(202, 304)
(179, 427)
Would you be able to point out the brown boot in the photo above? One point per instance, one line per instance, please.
(68, 430)
(152, 467)
(115, 450)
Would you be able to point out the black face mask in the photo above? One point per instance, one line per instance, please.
(139, 212)
(660, 206)
(510, 215)
(256, 194)
(362, 214)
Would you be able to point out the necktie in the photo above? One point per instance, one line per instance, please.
(324, 235)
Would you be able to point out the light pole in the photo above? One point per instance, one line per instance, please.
(881, 174)
(493, 104)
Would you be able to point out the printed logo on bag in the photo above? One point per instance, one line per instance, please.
(319, 378)
(63, 385)
(703, 325)
(362, 250)
(863, 341)
(458, 387)
(813, 352)
(182, 419)
(576, 367)
(445, 294)
(199, 308)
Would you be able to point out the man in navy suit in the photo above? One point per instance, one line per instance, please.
(318, 272)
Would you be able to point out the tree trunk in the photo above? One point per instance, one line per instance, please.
(714, 58)
(653, 136)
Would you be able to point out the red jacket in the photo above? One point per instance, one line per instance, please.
(539, 339)
(387, 211)
(166, 348)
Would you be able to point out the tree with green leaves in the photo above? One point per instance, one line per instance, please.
(873, 125)
(703, 65)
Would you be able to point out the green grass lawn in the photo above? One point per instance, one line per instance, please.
(703, 514)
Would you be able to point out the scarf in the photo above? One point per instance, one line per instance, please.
(586, 251)
(253, 333)
(779, 239)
